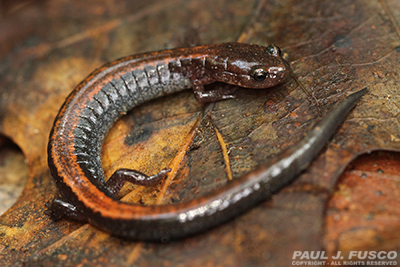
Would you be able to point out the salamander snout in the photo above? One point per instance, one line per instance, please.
(260, 74)
(264, 76)
(274, 68)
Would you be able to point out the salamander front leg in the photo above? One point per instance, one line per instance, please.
(121, 176)
(204, 96)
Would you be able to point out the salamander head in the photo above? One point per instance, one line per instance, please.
(251, 66)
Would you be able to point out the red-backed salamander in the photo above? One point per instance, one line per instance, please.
(74, 150)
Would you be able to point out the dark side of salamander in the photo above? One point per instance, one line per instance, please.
(74, 151)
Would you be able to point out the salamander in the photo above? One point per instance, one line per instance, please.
(74, 149)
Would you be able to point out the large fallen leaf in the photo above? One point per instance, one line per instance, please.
(334, 47)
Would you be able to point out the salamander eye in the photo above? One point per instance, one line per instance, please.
(259, 74)
(273, 50)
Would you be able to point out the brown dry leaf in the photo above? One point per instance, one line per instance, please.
(363, 213)
(334, 46)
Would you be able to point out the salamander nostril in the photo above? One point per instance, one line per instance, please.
(276, 72)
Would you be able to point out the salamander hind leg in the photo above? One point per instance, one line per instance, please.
(121, 176)
(204, 96)
(60, 208)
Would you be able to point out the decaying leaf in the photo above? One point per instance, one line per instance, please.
(334, 47)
